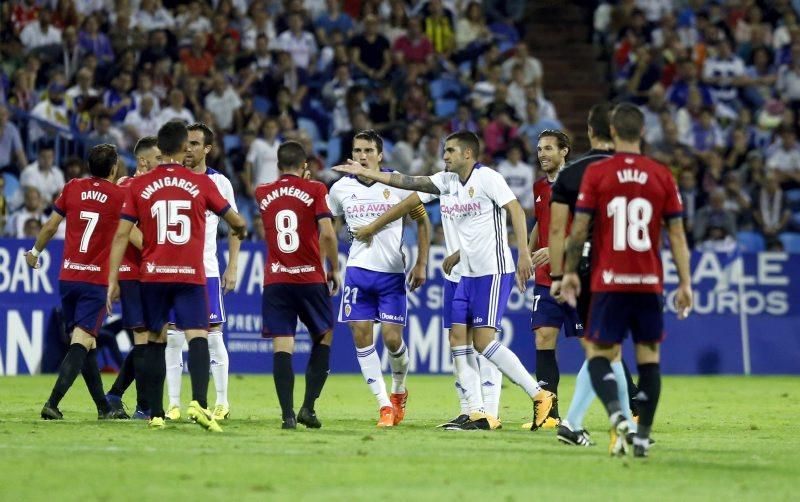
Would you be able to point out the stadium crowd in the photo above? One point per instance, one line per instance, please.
(719, 83)
(78, 73)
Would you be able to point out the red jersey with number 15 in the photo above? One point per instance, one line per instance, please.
(290, 209)
(170, 203)
(629, 195)
(91, 207)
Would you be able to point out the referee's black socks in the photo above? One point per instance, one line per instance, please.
(548, 375)
(70, 368)
(155, 373)
(126, 374)
(605, 384)
(283, 374)
(316, 373)
(632, 389)
(91, 375)
(199, 368)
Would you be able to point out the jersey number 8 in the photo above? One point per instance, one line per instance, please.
(286, 224)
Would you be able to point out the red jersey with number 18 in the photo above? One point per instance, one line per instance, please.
(290, 208)
(91, 207)
(629, 195)
(170, 203)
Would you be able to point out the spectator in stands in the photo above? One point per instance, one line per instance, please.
(118, 99)
(143, 121)
(508, 12)
(23, 94)
(286, 75)
(713, 217)
(92, 41)
(157, 48)
(333, 19)
(534, 125)
(51, 111)
(40, 34)
(725, 73)
(261, 165)
(176, 109)
(784, 158)
(414, 47)
(483, 90)
(191, 22)
(105, 132)
(531, 67)
(405, 151)
(472, 34)
(653, 110)
(196, 59)
(429, 161)
(770, 209)
(692, 197)
(260, 25)
(32, 208)
(705, 133)
(517, 91)
(736, 154)
(153, 16)
(788, 85)
(678, 92)
(498, 133)
(83, 88)
(463, 120)
(639, 75)
(439, 27)
(763, 77)
(222, 102)
(43, 173)
(518, 174)
(300, 44)
(3, 206)
(371, 51)
(74, 168)
(71, 52)
(737, 200)
(12, 151)
(23, 13)
(335, 90)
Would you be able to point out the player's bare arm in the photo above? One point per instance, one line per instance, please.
(236, 222)
(367, 232)
(571, 283)
(524, 263)
(118, 245)
(231, 269)
(397, 180)
(329, 249)
(559, 213)
(539, 256)
(136, 238)
(45, 234)
(419, 274)
(451, 261)
(680, 254)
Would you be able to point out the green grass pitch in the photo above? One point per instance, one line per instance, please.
(718, 438)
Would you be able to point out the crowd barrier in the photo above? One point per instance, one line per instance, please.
(745, 320)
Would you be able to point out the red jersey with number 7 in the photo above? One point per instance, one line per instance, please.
(629, 196)
(290, 209)
(91, 207)
(170, 204)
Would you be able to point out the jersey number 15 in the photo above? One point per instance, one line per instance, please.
(167, 214)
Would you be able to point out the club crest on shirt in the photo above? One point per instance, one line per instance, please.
(386, 193)
(347, 310)
(471, 191)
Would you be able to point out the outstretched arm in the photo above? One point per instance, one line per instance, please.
(236, 222)
(366, 232)
(680, 254)
(524, 264)
(45, 234)
(397, 180)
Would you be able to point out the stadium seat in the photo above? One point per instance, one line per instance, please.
(12, 185)
(445, 107)
(310, 127)
(445, 88)
(334, 151)
(750, 241)
(261, 104)
(790, 241)
(231, 142)
(793, 199)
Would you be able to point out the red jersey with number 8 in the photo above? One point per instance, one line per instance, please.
(629, 195)
(290, 209)
(170, 204)
(91, 207)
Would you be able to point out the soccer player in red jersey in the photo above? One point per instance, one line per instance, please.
(548, 314)
(148, 156)
(91, 207)
(297, 226)
(626, 197)
(169, 203)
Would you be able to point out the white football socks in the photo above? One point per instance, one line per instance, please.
(173, 355)
(219, 365)
(468, 377)
(371, 369)
(508, 363)
(399, 363)
(491, 385)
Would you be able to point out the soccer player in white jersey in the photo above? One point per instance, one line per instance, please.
(485, 391)
(374, 285)
(482, 200)
(201, 140)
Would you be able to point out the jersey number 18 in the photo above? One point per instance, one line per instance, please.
(631, 220)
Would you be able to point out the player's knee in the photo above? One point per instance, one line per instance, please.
(324, 339)
(140, 337)
(605, 350)
(647, 353)
(546, 338)
(283, 344)
(82, 337)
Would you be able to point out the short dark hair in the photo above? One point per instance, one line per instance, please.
(73, 160)
(467, 140)
(46, 144)
(172, 136)
(371, 135)
(291, 155)
(145, 143)
(208, 134)
(600, 121)
(102, 159)
(628, 121)
(561, 138)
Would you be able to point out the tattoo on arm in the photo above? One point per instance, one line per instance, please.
(416, 183)
(574, 249)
